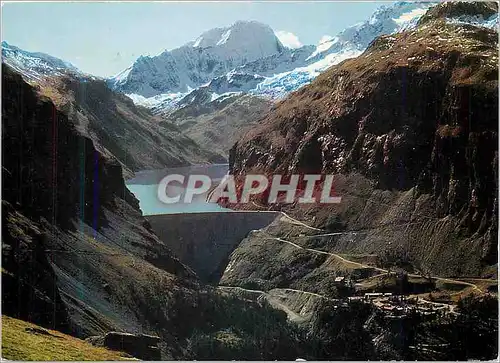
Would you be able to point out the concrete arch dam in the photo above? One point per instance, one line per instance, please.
(204, 241)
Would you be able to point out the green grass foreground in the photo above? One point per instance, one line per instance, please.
(25, 341)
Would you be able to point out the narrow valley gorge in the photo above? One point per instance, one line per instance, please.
(401, 109)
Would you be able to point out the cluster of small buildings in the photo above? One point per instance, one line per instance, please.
(369, 296)
(400, 305)
(394, 305)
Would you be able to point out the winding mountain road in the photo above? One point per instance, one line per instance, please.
(345, 260)
(293, 316)
(275, 302)
(437, 278)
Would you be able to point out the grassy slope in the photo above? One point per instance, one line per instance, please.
(25, 341)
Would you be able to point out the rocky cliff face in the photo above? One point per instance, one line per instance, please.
(67, 212)
(78, 256)
(410, 128)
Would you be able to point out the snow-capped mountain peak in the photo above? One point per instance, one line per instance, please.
(349, 43)
(240, 36)
(259, 62)
(385, 20)
(35, 64)
(212, 54)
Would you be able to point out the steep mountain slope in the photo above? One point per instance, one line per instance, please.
(77, 255)
(165, 83)
(65, 205)
(136, 138)
(216, 125)
(410, 129)
(117, 127)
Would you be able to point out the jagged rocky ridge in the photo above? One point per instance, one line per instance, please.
(35, 64)
(410, 128)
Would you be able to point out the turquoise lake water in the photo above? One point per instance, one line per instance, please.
(144, 186)
(150, 204)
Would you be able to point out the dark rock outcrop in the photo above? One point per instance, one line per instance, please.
(141, 346)
(29, 291)
(50, 167)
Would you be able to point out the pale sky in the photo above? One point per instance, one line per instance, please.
(105, 38)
